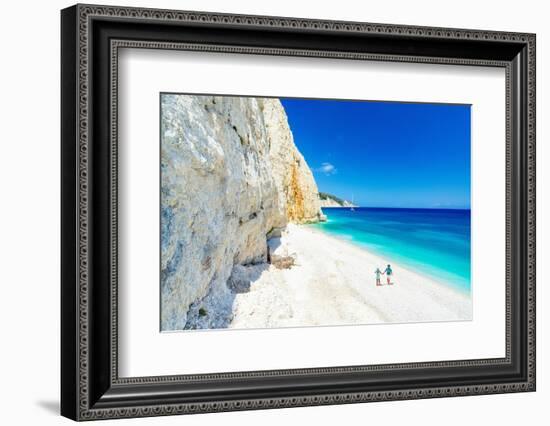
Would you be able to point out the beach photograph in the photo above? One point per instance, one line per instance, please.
(295, 212)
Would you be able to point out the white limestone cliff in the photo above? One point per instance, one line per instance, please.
(231, 176)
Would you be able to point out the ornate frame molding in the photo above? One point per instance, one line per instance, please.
(82, 16)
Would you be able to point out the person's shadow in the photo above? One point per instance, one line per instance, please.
(51, 407)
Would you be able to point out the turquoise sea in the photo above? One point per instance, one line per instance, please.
(435, 242)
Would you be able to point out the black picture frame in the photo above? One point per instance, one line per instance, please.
(90, 386)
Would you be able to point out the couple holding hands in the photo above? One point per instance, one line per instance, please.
(388, 272)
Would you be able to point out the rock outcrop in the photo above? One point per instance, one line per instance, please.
(298, 200)
(231, 177)
(331, 203)
(279, 255)
(329, 200)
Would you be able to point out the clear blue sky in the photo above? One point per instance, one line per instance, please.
(386, 154)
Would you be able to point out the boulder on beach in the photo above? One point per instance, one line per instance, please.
(279, 255)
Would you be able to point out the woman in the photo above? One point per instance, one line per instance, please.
(388, 271)
(378, 272)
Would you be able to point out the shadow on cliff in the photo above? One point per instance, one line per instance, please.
(215, 310)
(243, 276)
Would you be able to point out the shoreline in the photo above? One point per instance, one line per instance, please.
(392, 260)
(332, 282)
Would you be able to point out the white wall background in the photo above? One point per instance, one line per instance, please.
(29, 215)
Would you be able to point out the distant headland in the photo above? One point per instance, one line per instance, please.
(329, 200)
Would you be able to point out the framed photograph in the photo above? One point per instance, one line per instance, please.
(263, 212)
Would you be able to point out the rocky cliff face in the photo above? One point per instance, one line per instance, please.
(230, 176)
(298, 199)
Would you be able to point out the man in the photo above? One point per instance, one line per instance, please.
(388, 271)
(378, 272)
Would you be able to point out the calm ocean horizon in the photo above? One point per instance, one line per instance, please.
(435, 242)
